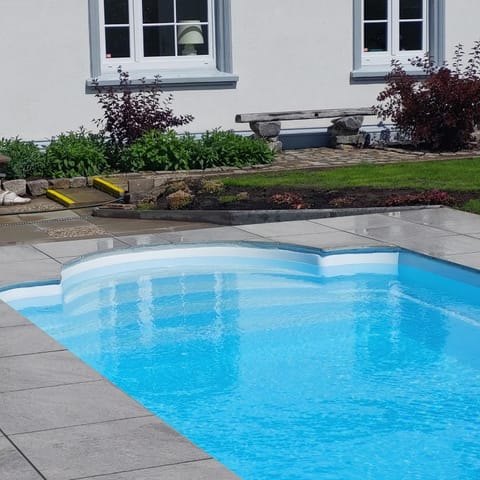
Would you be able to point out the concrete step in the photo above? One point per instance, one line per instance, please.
(78, 197)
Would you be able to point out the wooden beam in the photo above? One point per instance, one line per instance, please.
(302, 114)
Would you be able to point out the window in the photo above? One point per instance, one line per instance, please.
(395, 29)
(186, 42)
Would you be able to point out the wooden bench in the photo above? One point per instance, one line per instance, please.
(347, 122)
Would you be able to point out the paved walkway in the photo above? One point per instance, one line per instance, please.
(61, 420)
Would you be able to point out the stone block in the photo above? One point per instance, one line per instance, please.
(59, 183)
(17, 186)
(360, 140)
(78, 182)
(266, 129)
(141, 185)
(37, 187)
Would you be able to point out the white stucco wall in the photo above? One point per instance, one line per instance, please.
(288, 55)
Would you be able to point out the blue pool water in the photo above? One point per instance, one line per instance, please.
(285, 364)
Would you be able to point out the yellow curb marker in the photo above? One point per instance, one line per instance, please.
(108, 187)
(60, 198)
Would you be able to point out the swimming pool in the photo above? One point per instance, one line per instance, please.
(284, 363)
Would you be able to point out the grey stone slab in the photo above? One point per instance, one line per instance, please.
(30, 271)
(21, 233)
(404, 231)
(330, 241)
(199, 470)
(20, 253)
(10, 317)
(471, 260)
(64, 406)
(43, 370)
(219, 234)
(76, 248)
(25, 339)
(285, 228)
(144, 240)
(442, 218)
(360, 224)
(105, 448)
(13, 466)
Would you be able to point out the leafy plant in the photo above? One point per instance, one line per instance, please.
(434, 197)
(129, 111)
(225, 148)
(75, 154)
(157, 151)
(288, 200)
(439, 112)
(26, 159)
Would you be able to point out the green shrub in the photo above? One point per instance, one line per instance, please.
(157, 150)
(225, 148)
(75, 154)
(26, 158)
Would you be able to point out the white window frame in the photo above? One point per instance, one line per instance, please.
(214, 70)
(137, 61)
(393, 51)
(375, 65)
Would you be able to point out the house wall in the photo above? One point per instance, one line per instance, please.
(287, 56)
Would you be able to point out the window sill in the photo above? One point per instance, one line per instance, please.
(170, 80)
(377, 73)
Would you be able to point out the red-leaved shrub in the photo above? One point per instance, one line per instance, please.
(440, 111)
(434, 197)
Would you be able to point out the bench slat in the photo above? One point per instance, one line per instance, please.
(302, 114)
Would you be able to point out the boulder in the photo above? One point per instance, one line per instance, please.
(37, 188)
(17, 186)
(179, 199)
(266, 129)
(347, 125)
(59, 183)
(78, 182)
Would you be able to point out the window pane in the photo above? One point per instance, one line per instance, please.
(192, 39)
(159, 41)
(117, 40)
(376, 9)
(375, 37)
(116, 12)
(157, 11)
(192, 10)
(411, 9)
(411, 35)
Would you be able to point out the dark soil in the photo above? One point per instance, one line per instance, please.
(244, 198)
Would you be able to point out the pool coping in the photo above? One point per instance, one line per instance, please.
(59, 419)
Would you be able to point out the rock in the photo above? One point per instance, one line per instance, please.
(266, 129)
(140, 185)
(78, 182)
(347, 125)
(17, 186)
(339, 141)
(37, 187)
(179, 185)
(276, 146)
(59, 183)
(179, 199)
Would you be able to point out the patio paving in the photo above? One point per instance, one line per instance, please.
(61, 420)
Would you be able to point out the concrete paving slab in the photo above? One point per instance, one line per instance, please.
(144, 240)
(329, 240)
(444, 218)
(30, 271)
(198, 470)
(360, 224)
(17, 253)
(13, 465)
(65, 406)
(440, 247)
(18, 233)
(285, 228)
(25, 339)
(219, 234)
(43, 370)
(69, 248)
(105, 448)
(471, 260)
(10, 317)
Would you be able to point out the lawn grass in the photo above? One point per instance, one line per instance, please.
(453, 175)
